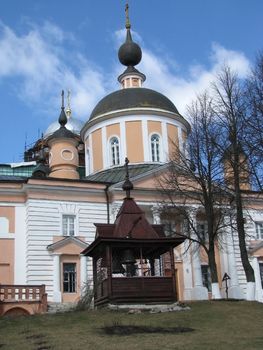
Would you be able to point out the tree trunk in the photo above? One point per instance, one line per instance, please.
(240, 227)
(213, 270)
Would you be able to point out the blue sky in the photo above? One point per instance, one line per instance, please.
(49, 45)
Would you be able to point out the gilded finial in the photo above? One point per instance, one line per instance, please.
(62, 99)
(68, 109)
(128, 24)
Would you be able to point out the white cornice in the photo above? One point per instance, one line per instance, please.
(136, 113)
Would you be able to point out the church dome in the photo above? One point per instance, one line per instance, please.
(133, 98)
(130, 53)
(73, 124)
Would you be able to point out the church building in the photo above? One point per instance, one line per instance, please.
(73, 178)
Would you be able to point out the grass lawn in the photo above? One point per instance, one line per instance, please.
(217, 325)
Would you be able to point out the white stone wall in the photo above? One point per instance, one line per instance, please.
(43, 220)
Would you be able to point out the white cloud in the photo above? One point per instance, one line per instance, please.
(40, 62)
(163, 72)
(44, 66)
(182, 90)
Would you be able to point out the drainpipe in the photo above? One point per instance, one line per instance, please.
(107, 202)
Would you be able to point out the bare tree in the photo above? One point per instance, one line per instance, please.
(230, 107)
(254, 100)
(195, 178)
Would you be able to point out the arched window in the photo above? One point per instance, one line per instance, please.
(114, 151)
(155, 147)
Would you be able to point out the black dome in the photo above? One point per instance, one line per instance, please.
(133, 98)
(130, 53)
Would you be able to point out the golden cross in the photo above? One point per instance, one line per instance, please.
(128, 24)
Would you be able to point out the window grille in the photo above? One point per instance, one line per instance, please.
(115, 151)
(155, 148)
(69, 278)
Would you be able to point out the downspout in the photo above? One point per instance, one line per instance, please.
(107, 202)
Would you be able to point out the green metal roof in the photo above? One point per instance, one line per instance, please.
(111, 176)
(118, 174)
(14, 171)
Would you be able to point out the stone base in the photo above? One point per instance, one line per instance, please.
(235, 292)
(57, 298)
(152, 308)
(250, 295)
(216, 291)
(199, 293)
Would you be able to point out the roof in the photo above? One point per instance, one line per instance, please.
(131, 228)
(62, 133)
(133, 98)
(11, 178)
(117, 174)
(23, 171)
(17, 170)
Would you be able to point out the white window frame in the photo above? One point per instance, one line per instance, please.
(259, 229)
(116, 149)
(153, 153)
(67, 232)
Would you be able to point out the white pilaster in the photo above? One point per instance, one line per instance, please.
(259, 291)
(234, 290)
(199, 292)
(187, 271)
(83, 272)
(180, 139)
(91, 166)
(165, 142)
(123, 150)
(56, 278)
(20, 246)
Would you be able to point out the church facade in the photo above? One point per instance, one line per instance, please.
(48, 210)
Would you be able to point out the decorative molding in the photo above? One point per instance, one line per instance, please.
(65, 241)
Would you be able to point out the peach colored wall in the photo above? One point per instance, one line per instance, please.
(70, 297)
(172, 139)
(134, 141)
(113, 129)
(179, 280)
(154, 126)
(60, 238)
(64, 159)
(7, 249)
(56, 149)
(9, 213)
(97, 150)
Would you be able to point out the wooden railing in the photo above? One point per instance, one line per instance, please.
(24, 294)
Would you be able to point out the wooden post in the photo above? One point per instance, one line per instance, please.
(109, 270)
(94, 266)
